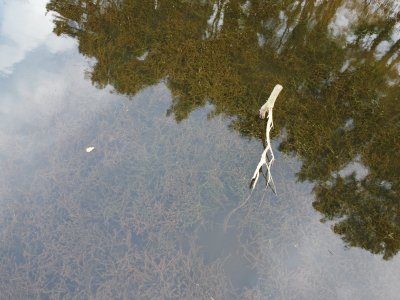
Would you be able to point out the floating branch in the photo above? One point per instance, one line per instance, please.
(265, 160)
(268, 106)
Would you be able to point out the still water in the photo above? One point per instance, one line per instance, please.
(167, 93)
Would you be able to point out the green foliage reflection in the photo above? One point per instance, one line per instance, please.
(341, 97)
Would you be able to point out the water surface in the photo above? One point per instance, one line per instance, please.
(167, 93)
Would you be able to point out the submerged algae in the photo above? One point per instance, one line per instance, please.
(331, 73)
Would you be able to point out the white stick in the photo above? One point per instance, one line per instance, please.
(271, 101)
(268, 106)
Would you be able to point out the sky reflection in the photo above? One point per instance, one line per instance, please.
(141, 216)
(17, 38)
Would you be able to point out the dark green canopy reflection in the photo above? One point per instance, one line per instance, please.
(341, 97)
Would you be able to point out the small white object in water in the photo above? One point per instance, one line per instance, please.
(89, 149)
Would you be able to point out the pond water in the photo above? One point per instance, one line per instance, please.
(167, 93)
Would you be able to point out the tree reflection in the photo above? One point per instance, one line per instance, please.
(341, 96)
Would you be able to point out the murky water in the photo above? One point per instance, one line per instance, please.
(167, 93)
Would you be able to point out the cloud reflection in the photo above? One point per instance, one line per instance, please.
(24, 28)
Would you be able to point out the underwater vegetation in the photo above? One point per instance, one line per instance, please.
(119, 189)
(341, 97)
